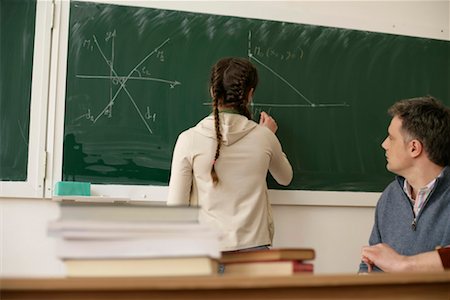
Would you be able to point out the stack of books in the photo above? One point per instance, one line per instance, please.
(272, 262)
(128, 239)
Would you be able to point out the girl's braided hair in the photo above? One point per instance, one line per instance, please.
(230, 84)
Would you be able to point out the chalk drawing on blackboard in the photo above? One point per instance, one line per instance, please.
(116, 79)
(308, 103)
(257, 107)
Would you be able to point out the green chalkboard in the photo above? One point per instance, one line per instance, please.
(17, 22)
(137, 77)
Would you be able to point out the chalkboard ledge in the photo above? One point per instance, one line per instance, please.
(102, 199)
(277, 197)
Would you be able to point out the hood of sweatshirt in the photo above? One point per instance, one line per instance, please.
(232, 126)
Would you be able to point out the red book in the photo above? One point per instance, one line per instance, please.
(269, 268)
(274, 254)
(272, 262)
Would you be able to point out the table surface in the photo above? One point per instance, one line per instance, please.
(381, 286)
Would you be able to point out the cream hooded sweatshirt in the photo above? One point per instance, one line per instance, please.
(238, 206)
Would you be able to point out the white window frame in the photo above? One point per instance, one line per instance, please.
(33, 187)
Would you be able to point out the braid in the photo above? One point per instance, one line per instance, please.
(230, 83)
(239, 78)
(214, 176)
(217, 90)
(245, 111)
(243, 100)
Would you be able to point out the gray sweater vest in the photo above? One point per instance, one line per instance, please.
(396, 225)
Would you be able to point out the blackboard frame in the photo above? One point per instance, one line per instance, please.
(153, 193)
(33, 186)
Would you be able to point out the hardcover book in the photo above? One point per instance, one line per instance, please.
(176, 266)
(274, 254)
(269, 268)
(126, 211)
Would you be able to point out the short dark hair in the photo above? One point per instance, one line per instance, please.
(427, 120)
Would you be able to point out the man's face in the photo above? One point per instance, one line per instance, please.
(396, 147)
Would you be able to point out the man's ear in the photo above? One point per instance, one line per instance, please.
(415, 147)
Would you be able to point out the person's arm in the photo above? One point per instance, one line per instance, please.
(279, 166)
(387, 259)
(366, 266)
(181, 174)
(267, 121)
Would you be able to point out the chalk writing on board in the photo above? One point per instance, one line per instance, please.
(270, 52)
(256, 53)
(283, 56)
(138, 72)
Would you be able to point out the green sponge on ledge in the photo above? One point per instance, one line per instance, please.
(72, 188)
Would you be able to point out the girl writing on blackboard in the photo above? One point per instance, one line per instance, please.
(222, 163)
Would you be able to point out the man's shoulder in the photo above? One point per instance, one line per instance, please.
(445, 175)
(392, 191)
(394, 186)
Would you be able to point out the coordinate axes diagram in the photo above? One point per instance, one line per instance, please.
(307, 103)
(138, 73)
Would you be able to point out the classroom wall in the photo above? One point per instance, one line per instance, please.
(334, 224)
(336, 233)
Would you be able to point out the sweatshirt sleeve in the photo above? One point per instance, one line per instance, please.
(181, 173)
(279, 166)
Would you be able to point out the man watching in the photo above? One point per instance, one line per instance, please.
(412, 217)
